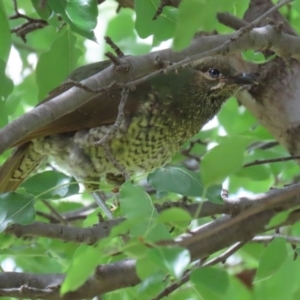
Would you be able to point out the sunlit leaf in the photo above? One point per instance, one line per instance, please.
(49, 184)
(174, 259)
(136, 205)
(174, 216)
(202, 277)
(78, 271)
(223, 160)
(271, 259)
(176, 180)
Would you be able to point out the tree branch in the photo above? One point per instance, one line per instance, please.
(239, 208)
(221, 234)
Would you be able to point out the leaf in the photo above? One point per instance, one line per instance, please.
(16, 208)
(135, 248)
(242, 123)
(223, 160)
(173, 259)
(137, 207)
(127, 37)
(50, 184)
(271, 259)
(6, 87)
(83, 264)
(162, 28)
(279, 218)
(74, 13)
(175, 216)
(145, 10)
(82, 13)
(176, 180)
(54, 65)
(146, 267)
(255, 173)
(5, 35)
(188, 22)
(195, 15)
(151, 285)
(44, 11)
(213, 279)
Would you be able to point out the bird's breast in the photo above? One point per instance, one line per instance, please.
(140, 144)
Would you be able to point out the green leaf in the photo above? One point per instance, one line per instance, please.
(213, 279)
(51, 184)
(271, 259)
(73, 12)
(279, 218)
(223, 160)
(135, 248)
(195, 15)
(173, 259)
(5, 35)
(175, 216)
(54, 65)
(137, 207)
(44, 11)
(127, 37)
(83, 264)
(162, 28)
(82, 13)
(3, 114)
(283, 283)
(145, 10)
(16, 208)
(176, 180)
(151, 285)
(165, 25)
(255, 173)
(6, 86)
(188, 23)
(242, 122)
(146, 267)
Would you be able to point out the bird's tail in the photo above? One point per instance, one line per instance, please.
(22, 162)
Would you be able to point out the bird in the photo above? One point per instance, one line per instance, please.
(160, 115)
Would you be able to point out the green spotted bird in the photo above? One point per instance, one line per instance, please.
(160, 115)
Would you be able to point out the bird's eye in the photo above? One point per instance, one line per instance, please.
(214, 73)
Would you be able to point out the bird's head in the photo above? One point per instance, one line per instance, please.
(218, 79)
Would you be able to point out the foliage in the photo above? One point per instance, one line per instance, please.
(41, 64)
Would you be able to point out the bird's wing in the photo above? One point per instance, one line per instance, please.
(7, 183)
(100, 110)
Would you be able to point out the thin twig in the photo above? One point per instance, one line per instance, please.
(221, 258)
(31, 24)
(117, 50)
(112, 131)
(269, 161)
(162, 4)
(270, 238)
(120, 118)
(55, 212)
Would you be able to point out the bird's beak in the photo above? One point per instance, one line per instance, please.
(242, 78)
